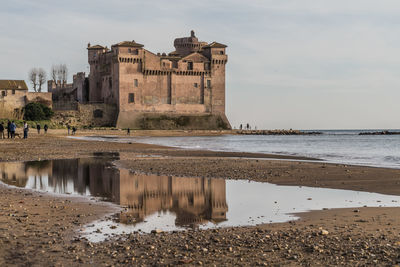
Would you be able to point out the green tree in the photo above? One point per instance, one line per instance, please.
(37, 112)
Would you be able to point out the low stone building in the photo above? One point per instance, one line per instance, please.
(14, 96)
(182, 89)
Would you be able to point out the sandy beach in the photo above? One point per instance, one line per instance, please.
(39, 229)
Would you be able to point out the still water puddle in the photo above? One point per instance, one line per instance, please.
(175, 203)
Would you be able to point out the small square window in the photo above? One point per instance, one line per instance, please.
(208, 83)
(190, 65)
(135, 83)
(3, 93)
(195, 85)
(98, 113)
(131, 98)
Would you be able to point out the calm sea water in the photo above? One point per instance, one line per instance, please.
(337, 146)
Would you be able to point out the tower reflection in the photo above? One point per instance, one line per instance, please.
(194, 200)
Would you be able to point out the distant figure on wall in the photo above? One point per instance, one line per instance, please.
(128, 131)
(45, 128)
(2, 131)
(241, 126)
(26, 129)
(68, 127)
(73, 130)
(38, 128)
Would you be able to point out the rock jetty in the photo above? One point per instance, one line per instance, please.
(379, 133)
(276, 132)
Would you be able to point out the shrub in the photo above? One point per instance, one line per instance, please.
(37, 112)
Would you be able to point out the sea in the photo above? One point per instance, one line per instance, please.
(333, 146)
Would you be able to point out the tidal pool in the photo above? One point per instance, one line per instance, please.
(175, 203)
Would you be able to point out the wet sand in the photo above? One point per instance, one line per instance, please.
(40, 229)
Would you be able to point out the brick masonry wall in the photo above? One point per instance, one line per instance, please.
(43, 97)
(95, 115)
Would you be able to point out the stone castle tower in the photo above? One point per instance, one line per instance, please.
(189, 81)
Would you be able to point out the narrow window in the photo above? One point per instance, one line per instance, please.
(135, 82)
(207, 65)
(13, 91)
(190, 65)
(110, 83)
(221, 52)
(202, 95)
(129, 50)
(169, 89)
(208, 83)
(191, 201)
(131, 98)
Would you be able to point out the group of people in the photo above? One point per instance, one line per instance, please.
(11, 128)
(69, 129)
(247, 127)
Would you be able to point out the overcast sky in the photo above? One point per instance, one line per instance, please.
(301, 64)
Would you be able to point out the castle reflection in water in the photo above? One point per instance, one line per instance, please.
(194, 200)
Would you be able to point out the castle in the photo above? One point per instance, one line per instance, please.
(184, 88)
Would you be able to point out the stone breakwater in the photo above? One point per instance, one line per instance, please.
(379, 133)
(275, 132)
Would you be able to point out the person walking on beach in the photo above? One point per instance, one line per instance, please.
(26, 129)
(2, 131)
(45, 128)
(13, 127)
(73, 130)
(38, 128)
(8, 129)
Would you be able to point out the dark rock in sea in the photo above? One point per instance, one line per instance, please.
(275, 132)
(379, 133)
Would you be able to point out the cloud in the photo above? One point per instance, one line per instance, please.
(288, 58)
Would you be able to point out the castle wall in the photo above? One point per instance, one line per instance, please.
(14, 101)
(89, 114)
(43, 97)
